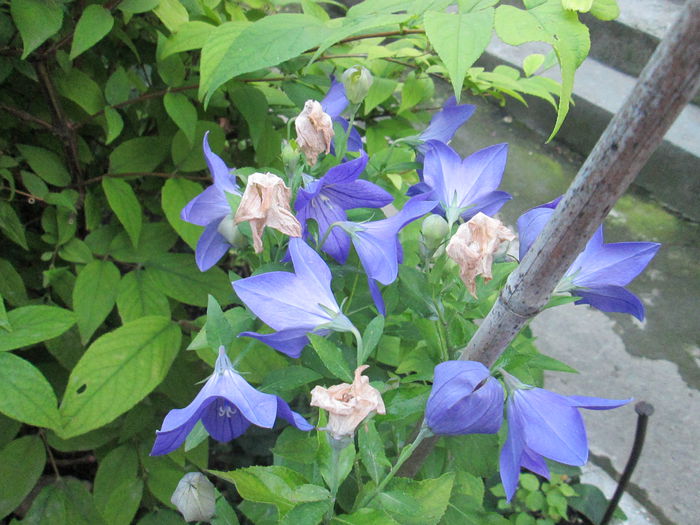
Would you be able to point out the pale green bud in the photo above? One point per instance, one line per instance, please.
(194, 497)
(357, 81)
(434, 230)
(290, 157)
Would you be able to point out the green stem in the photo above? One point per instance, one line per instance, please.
(360, 346)
(403, 456)
(333, 484)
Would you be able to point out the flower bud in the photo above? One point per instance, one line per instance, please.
(314, 131)
(194, 497)
(290, 157)
(434, 230)
(265, 202)
(357, 81)
(348, 405)
(230, 231)
(473, 246)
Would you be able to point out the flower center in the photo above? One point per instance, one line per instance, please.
(227, 411)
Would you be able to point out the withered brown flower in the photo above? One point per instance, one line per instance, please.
(314, 131)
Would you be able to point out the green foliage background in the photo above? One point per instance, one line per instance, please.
(103, 109)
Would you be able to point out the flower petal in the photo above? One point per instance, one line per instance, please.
(445, 123)
(335, 101)
(534, 463)
(223, 178)
(325, 213)
(314, 273)
(376, 294)
(178, 424)
(481, 173)
(597, 403)
(290, 342)
(512, 452)
(211, 247)
(377, 253)
(611, 299)
(488, 204)
(345, 172)
(291, 417)
(207, 207)
(612, 264)
(440, 161)
(552, 427)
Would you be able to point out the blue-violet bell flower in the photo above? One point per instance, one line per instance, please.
(466, 187)
(378, 247)
(465, 399)
(227, 405)
(294, 304)
(333, 104)
(211, 209)
(601, 271)
(542, 424)
(326, 199)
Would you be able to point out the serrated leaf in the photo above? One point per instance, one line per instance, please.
(267, 42)
(137, 297)
(46, 164)
(21, 464)
(36, 20)
(33, 324)
(183, 113)
(117, 371)
(25, 394)
(126, 207)
(177, 276)
(332, 357)
(94, 24)
(459, 39)
(176, 193)
(94, 295)
(548, 22)
(11, 225)
(371, 337)
(219, 330)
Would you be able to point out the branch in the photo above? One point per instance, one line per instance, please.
(23, 193)
(21, 114)
(142, 174)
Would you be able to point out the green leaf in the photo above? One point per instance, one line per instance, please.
(21, 464)
(183, 113)
(214, 51)
(138, 297)
(33, 324)
(582, 6)
(94, 295)
(156, 238)
(219, 330)
(288, 378)
(117, 489)
(224, 513)
(81, 89)
(176, 193)
(94, 24)
(123, 201)
(189, 36)
(177, 276)
(253, 106)
(4, 321)
(118, 86)
(172, 13)
(279, 486)
(142, 154)
(11, 284)
(307, 513)
(36, 20)
(117, 371)
(25, 394)
(115, 124)
(371, 337)
(372, 453)
(332, 357)
(605, 9)
(46, 164)
(65, 501)
(365, 517)
(11, 225)
(475, 453)
(380, 90)
(138, 6)
(548, 22)
(415, 90)
(431, 496)
(267, 42)
(459, 40)
(532, 63)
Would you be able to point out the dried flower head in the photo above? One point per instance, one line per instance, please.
(265, 202)
(314, 131)
(473, 246)
(348, 405)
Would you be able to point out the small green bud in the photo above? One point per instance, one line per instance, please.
(290, 157)
(357, 81)
(434, 230)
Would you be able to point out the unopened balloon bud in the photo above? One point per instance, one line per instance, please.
(357, 81)
(434, 230)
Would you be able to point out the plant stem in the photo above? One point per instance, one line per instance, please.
(403, 456)
(360, 346)
(333, 485)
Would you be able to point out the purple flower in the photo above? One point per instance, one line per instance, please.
(378, 247)
(212, 210)
(326, 199)
(601, 271)
(334, 103)
(466, 187)
(294, 304)
(542, 424)
(227, 406)
(445, 123)
(465, 399)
